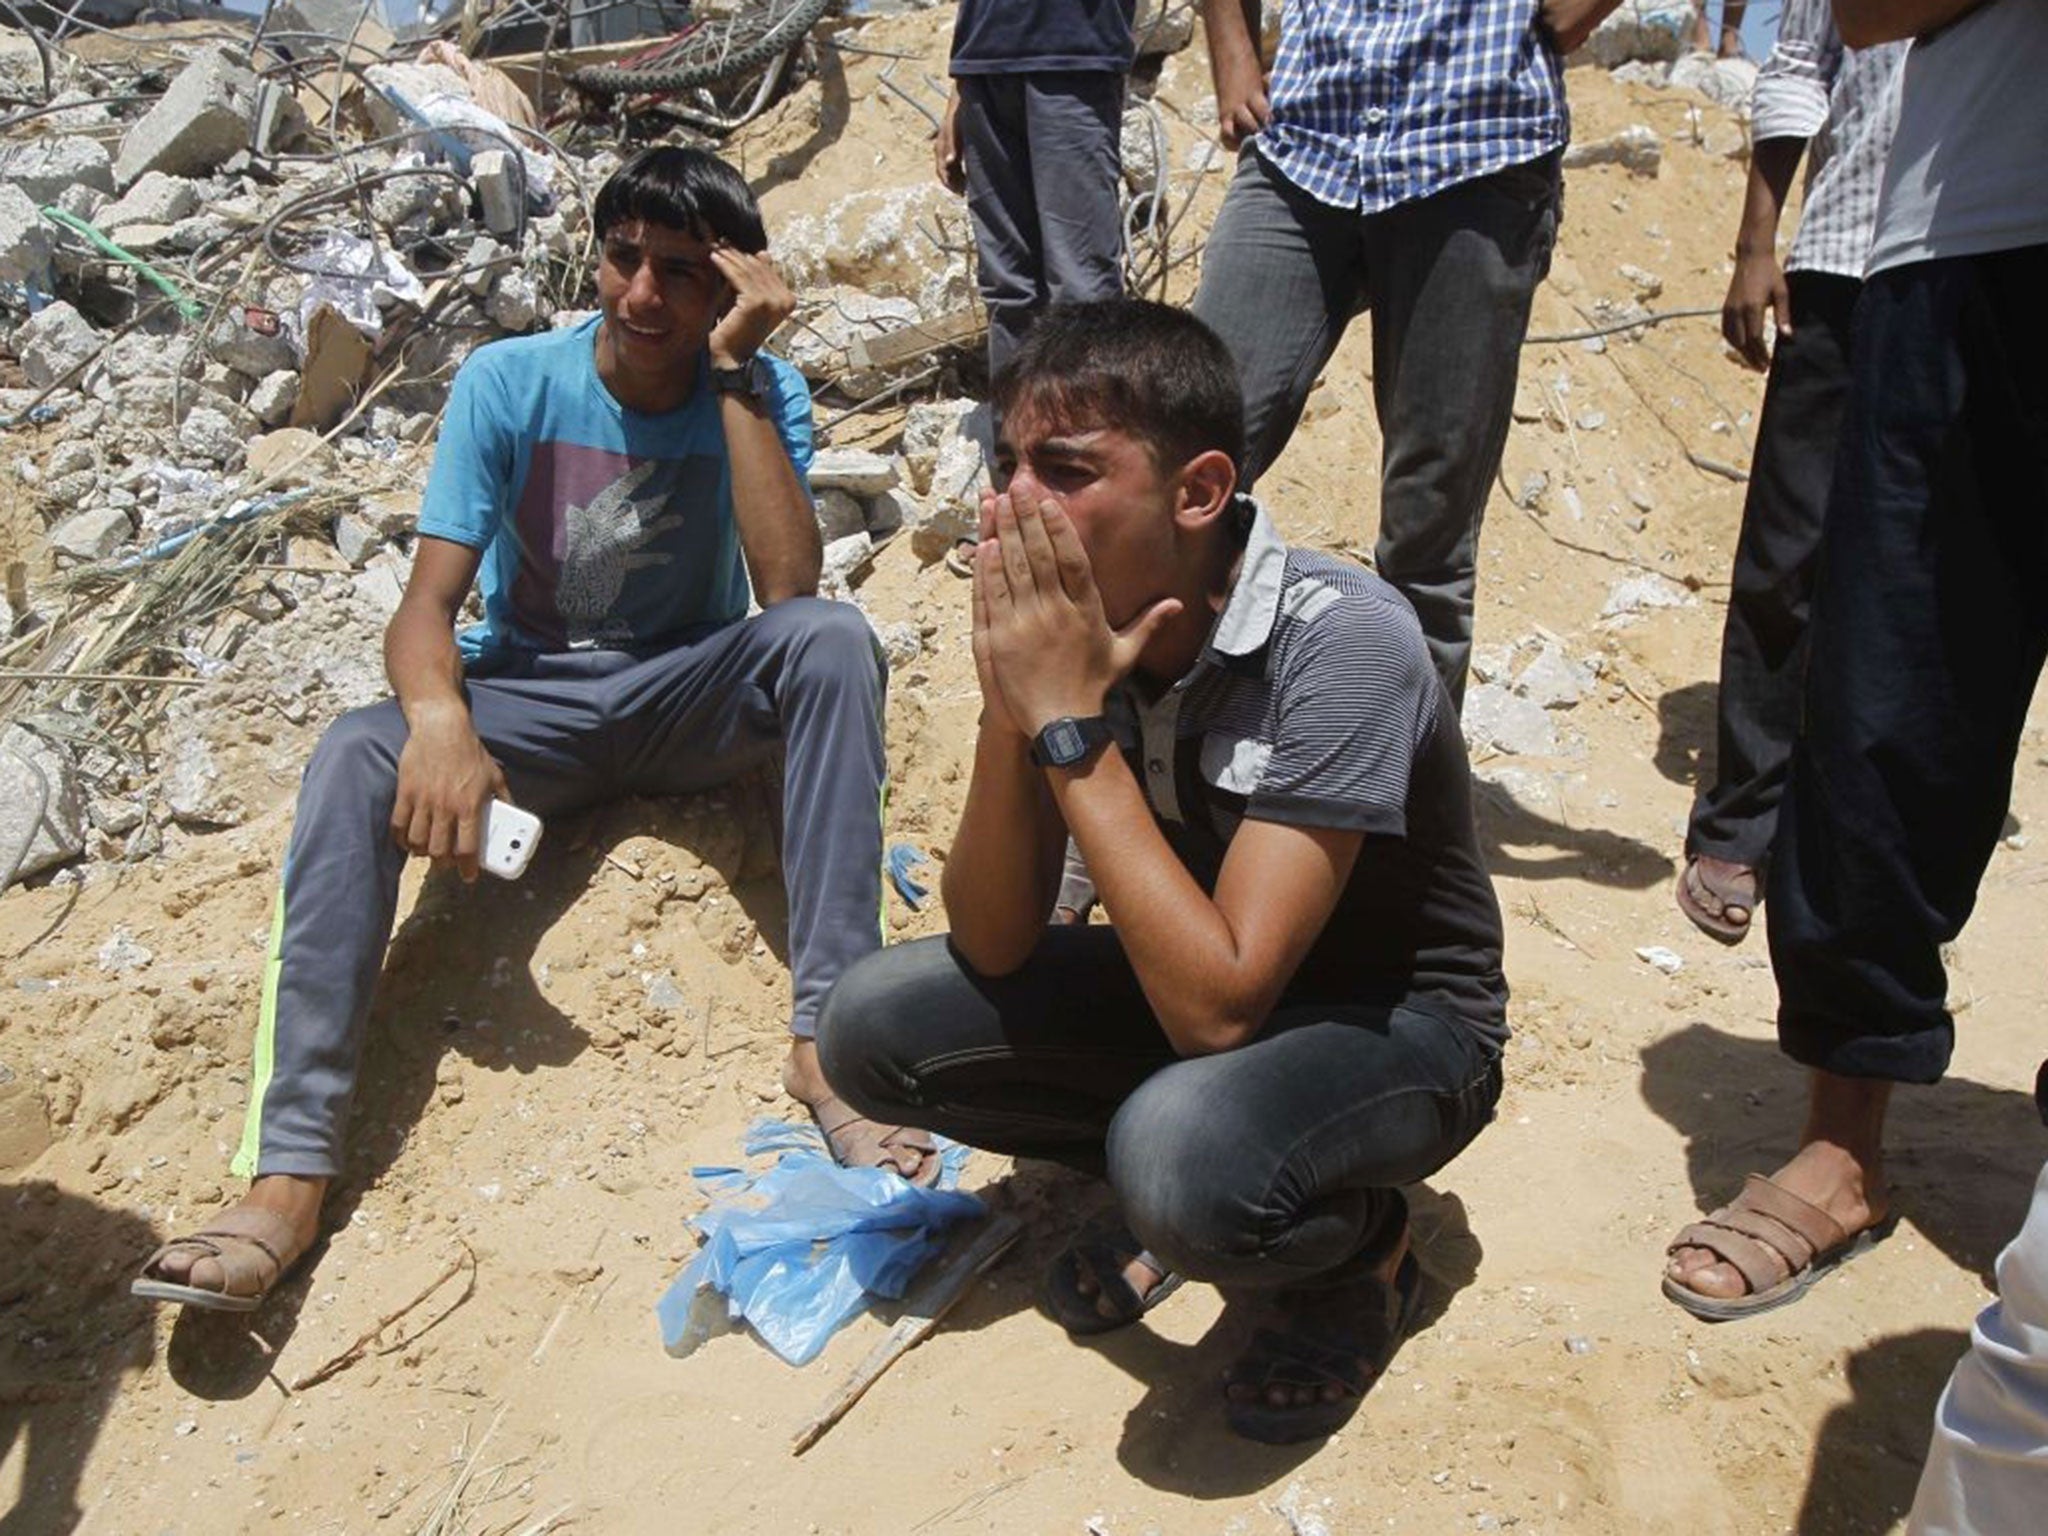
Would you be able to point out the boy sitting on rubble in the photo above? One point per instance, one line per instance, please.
(613, 488)
(1299, 1006)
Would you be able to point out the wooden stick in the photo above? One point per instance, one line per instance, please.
(26, 675)
(374, 1336)
(935, 1299)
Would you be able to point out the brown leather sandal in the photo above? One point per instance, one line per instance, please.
(254, 1248)
(1779, 1243)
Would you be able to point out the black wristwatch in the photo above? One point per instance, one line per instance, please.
(1068, 740)
(749, 379)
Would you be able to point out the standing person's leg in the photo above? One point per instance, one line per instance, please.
(1987, 1465)
(1451, 278)
(995, 140)
(1076, 123)
(1282, 276)
(806, 679)
(1928, 638)
(332, 922)
(1763, 643)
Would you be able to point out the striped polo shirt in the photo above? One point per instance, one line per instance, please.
(1314, 703)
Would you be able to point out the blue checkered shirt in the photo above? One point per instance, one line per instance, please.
(1378, 102)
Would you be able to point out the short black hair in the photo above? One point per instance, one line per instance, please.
(1148, 369)
(684, 189)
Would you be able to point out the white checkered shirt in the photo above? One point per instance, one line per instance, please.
(1846, 102)
(1381, 103)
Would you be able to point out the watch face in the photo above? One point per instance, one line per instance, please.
(1064, 743)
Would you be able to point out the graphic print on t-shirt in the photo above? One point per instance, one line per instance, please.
(592, 524)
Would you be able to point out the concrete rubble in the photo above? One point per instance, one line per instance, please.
(317, 269)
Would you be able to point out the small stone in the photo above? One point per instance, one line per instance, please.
(25, 245)
(41, 807)
(356, 538)
(1670, 962)
(500, 189)
(211, 435)
(290, 456)
(271, 401)
(515, 302)
(154, 199)
(1647, 285)
(1577, 1344)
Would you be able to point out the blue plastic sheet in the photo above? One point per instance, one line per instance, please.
(798, 1250)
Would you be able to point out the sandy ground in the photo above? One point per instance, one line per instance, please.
(524, 1103)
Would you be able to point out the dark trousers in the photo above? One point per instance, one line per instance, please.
(1044, 166)
(1929, 629)
(1763, 644)
(1449, 279)
(1268, 1165)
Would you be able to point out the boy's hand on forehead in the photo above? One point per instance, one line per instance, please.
(757, 304)
(1039, 622)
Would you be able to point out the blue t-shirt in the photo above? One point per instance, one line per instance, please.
(1007, 37)
(602, 528)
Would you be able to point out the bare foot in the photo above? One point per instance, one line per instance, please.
(1141, 1277)
(295, 1199)
(1839, 1167)
(856, 1141)
(1725, 891)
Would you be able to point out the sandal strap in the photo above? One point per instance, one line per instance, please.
(1767, 1232)
(1290, 1360)
(252, 1247)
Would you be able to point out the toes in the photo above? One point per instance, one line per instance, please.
(206, 1275)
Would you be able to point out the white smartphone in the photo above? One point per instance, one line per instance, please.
(510, 836)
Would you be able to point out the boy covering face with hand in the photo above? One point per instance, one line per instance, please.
(1298, 1004)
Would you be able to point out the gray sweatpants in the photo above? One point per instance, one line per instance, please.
(805, 678)
(1043, 168)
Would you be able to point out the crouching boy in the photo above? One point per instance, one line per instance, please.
(1298, 1006)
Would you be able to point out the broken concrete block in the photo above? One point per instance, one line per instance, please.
(901, 643)
(380, 588)
(52, 342)
(1725, 82)
(817, 339)
(190, 779)
(255, 346)
(1494, 717)
(844, 558)
(1636, 147)
(271, 401)
(356, 539)
(25, 243)
(1141, 140)
(205, 118)
(1162, 26)
(43, 169)
(154, 199)
(926, 428)
(1632, 595)
(515, 302)
(42, 811)
(1553, 680)
(840, 515)
(1641, 30)
(212, 435)
(500, 189)
(290, 456)
(952, 510)
(853, 470)
(1647, 284)
(92, 534)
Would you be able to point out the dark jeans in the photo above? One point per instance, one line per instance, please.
(1044, 166)
(1763, 644)
(1449, 279)
(1268, 1165)
(1930, 625)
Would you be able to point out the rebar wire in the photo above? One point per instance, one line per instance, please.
(43, 54)
(1655, 317)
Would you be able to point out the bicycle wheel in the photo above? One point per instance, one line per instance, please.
(708, 52)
